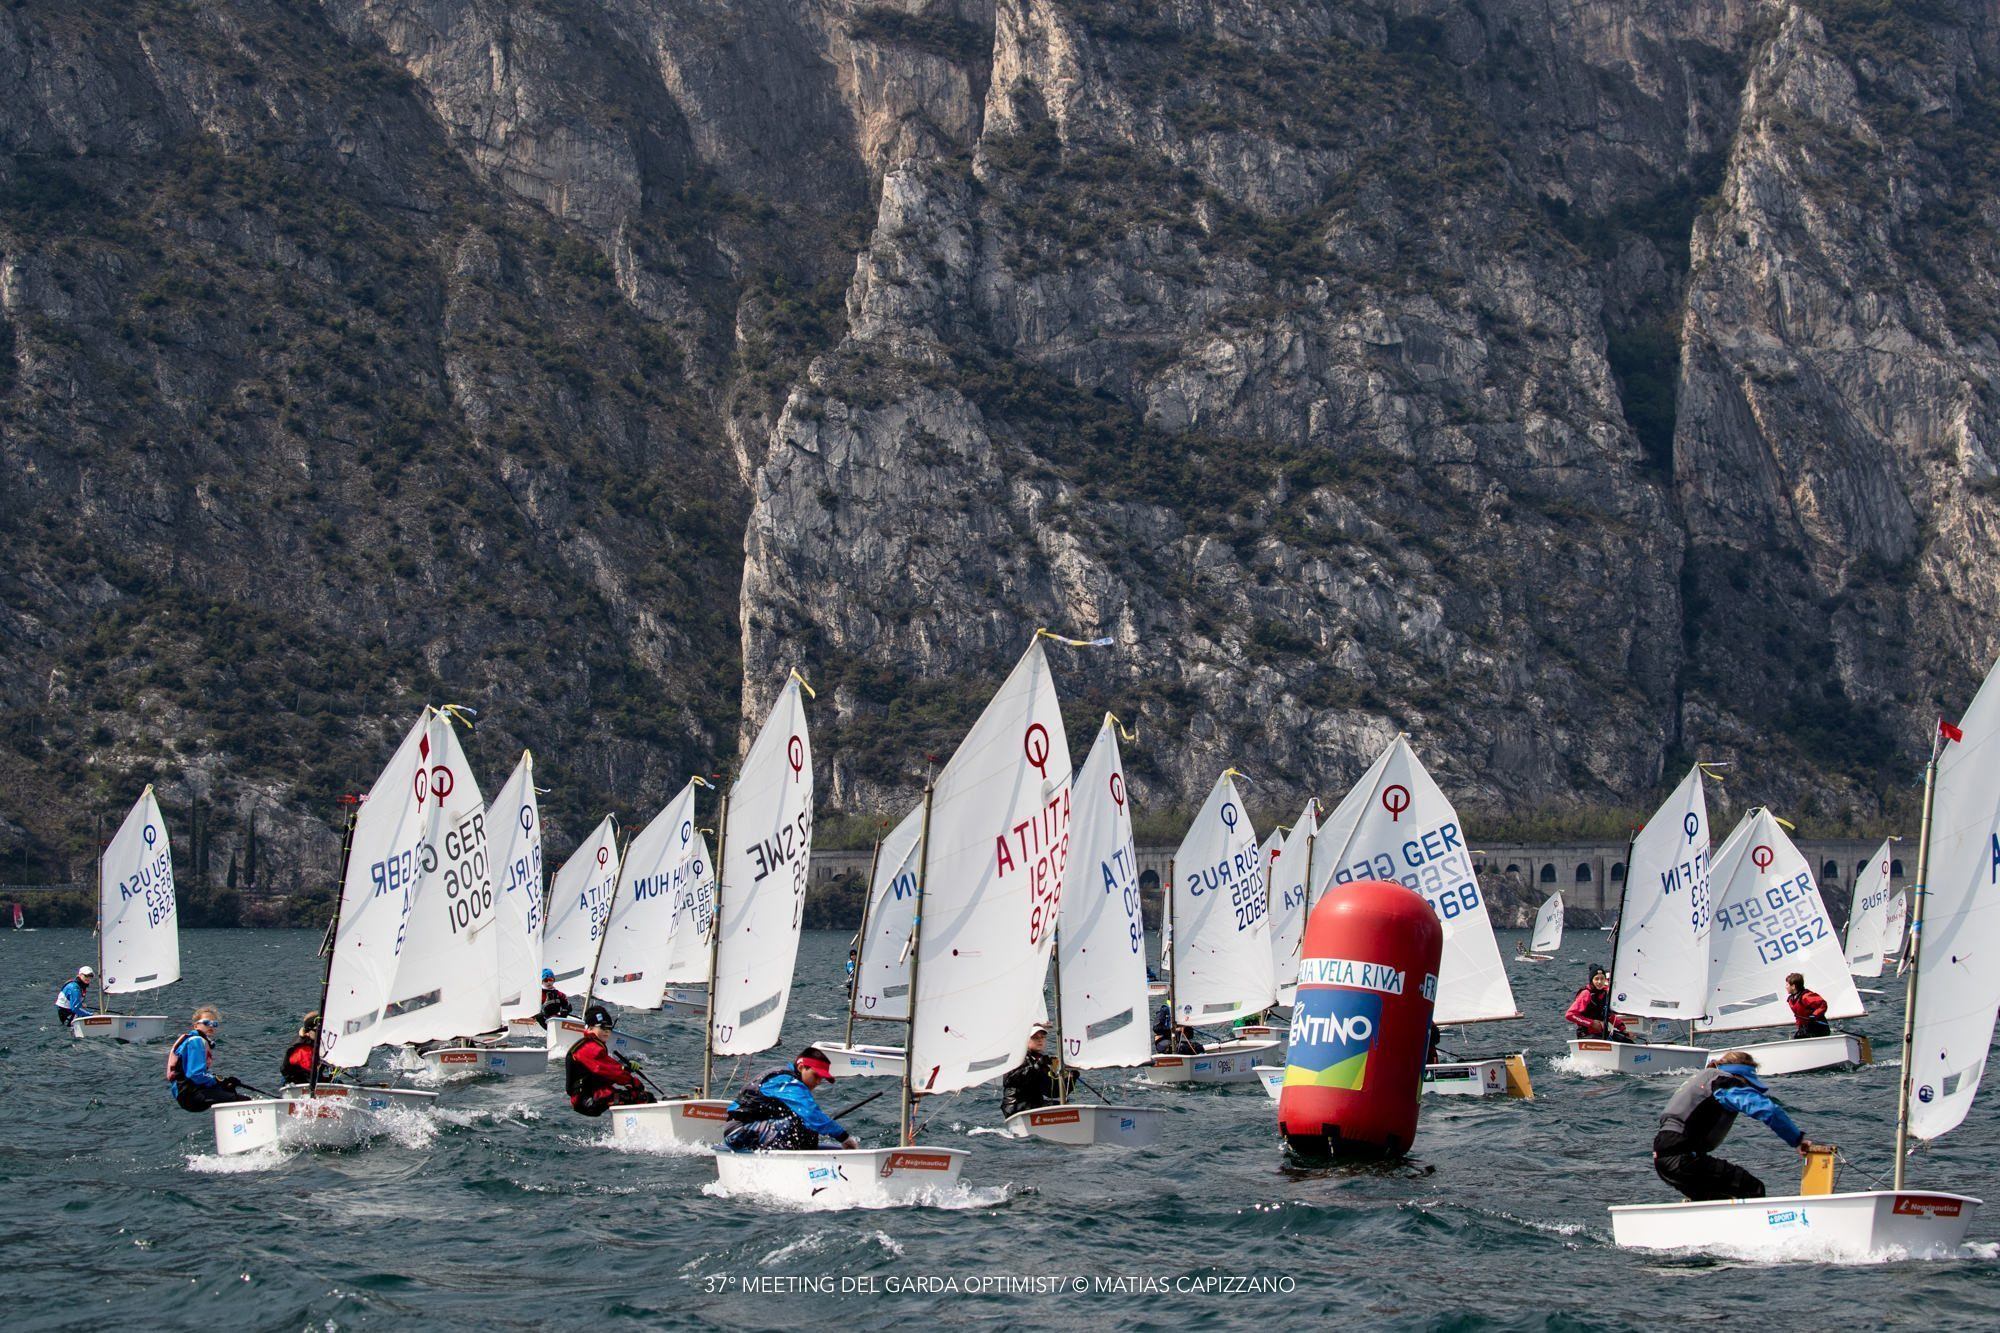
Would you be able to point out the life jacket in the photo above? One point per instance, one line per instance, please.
(1696, 1116)
(578, 1080)
(176, 1075)
(752, 1105)
(299, 1061)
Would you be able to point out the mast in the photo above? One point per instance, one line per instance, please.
(916, 962)
(103, 989)
(1617, 929)
(604, 931)
(1173, 992)
(1055, 951)
(1918, 891)
(715, 945)
(353, 804)
(861, 938)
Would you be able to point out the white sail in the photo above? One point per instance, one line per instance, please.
(413, 956)
(1336, 830)
(1958, 938)
(991, 879)
(693, 929)
(1101, 947)
(766, 850)
(1410, 833)
(578, 904)
(137, 918)
(1868, 921)
(1660, 969)
(1548, 936)
(1286, 878)
(1769, 921)
(447, 981)
(514, 837)
(1895, 933)
(654, 876)
(882, 966)
(1222, 926)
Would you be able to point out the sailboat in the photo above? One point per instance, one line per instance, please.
(578, 908)
(1770, 921)
(1100, 960)
(766, 837)
(692, 933)
(20, 918)
(1290, 877)
(881, 990)
(138, 926)
(413, 953)
(1404, 829)
(1217, 940)
(1548, 933)
(1868, 920)
(514, 842)
(990, 867)
(1953, 996)
(1659, 951)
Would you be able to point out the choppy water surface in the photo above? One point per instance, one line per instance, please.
(505, 1210)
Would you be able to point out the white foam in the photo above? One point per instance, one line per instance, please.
(954, 1198)
(257, 1159)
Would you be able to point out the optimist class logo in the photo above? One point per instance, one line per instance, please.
(1229, 815)
(603, 855)
(1035, 745)
(1761, 857)
(432, 779)
(1692, 823)
(1118, 788)
(795, 755)
(1395, 799)
(150, 834)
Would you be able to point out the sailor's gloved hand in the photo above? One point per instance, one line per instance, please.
(230, 1084)
(850, 1142)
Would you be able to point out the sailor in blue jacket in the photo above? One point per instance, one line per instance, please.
(189, 1078)
(1699, 1118)
(69, 1000)
(778, 1109)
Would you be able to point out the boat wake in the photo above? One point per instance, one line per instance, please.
(954, 1198)
(237, 1164)
(1805, 1250)
(1570, 1064)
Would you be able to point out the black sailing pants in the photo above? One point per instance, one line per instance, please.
(1698, 1175)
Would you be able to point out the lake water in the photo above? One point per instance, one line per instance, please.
(505, 1210)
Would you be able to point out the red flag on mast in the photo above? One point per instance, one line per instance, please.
(1949, 732)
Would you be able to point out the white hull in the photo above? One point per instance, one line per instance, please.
(695, 1122)
(1808, 1053)
(1081, 1126)
(684, 997)
(515, 1061)
(842, 1177)
(121, 1027)
(1230, 1062)
(1624, 1057)
(338, 1117)
(567, 1032)
(863, 1061)
(1467, 1078)
(1872, 1224)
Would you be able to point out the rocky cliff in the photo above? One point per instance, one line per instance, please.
(1578, 388)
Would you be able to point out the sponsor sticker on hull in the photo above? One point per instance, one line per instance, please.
(704, 1111)
(1069, 1117)
(1926, 1205)
(916, 1161)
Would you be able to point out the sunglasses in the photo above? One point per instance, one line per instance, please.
(208, 1023)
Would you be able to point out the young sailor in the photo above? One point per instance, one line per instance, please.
(1035, 1081)
(1698, 1119)
(193, 1084)
(777, 1110)
(304, 1053)
(69, 1000)
(1808, 1009)
(594, 1078)
(1591, 1012)
(555, 1004)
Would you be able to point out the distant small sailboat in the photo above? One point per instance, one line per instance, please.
(20, 920)
(1868, 922)
(578, 910)
(1548, 934)
(138, 923)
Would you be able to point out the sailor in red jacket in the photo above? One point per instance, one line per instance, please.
(594, 1078)
(1808, 1008)
(1590, 1011)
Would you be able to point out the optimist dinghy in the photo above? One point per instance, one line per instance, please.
(138, 926)
(1954, 995)
(410, 966)
(989, 869)
(1100, 961)
(766, 845)
(1216, 941)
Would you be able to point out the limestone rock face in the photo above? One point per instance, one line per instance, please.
(1579, 389)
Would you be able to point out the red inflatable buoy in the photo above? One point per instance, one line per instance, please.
(1360, 1023)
